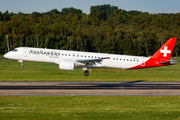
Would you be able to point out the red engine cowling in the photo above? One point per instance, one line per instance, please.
(66, 65)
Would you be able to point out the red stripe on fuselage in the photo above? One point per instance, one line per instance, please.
(149, 63)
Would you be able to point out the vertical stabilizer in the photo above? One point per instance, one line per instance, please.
(165, 52)
(161, 57)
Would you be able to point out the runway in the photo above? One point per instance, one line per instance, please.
(134, 88)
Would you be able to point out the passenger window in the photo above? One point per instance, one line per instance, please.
(81, 55)
(117, 59)
(65, 54)
(77, 55)
(91, 56)
(62, 54)
(113, 58)
(127, 59)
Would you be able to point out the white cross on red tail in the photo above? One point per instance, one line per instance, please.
(165, 51)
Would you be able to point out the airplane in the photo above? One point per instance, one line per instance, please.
(69, 60)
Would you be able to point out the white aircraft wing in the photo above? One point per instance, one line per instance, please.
(91, 61)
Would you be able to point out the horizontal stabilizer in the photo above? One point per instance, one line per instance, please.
(169, 62)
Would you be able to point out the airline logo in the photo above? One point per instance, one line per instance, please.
(51, 54)
(165, 51)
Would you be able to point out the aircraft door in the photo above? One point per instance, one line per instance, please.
(25, 52)
(142, 61)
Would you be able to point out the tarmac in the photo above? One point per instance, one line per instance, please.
(134, 88)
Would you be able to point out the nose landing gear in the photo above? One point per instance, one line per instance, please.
(21, 67)
(21, 64)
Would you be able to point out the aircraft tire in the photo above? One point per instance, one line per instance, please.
(86, 72)
(21, 67)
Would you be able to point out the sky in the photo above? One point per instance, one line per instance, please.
(29, 6)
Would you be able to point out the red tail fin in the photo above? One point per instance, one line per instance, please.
(165, 52)
(161, 57)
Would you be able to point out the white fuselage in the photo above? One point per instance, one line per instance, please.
(55, 56)
(69, 60)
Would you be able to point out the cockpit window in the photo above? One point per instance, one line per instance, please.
(15, 50)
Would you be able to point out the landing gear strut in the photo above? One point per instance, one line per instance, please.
(86, 72)
(21, 64)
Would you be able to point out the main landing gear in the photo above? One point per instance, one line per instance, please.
(86, 72)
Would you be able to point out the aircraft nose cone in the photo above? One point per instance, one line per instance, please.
(6, 55)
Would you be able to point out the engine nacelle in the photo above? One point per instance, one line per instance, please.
(66, 65)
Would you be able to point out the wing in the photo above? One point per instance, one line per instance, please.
(91, 61)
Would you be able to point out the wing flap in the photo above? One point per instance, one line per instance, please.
(91, 61)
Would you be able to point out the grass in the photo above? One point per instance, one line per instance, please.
(87, 107)
(33, 71)
(90, 107)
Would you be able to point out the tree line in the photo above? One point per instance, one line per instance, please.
(107, 29)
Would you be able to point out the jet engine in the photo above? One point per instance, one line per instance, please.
(66, 65)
